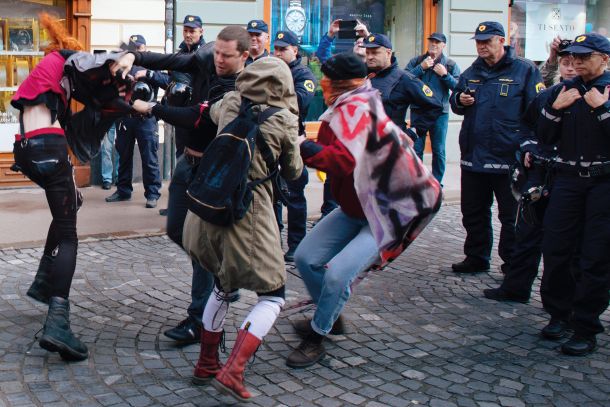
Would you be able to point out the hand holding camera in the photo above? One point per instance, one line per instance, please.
(467, 97)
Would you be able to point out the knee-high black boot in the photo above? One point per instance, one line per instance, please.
(57, 335)
(40, 288)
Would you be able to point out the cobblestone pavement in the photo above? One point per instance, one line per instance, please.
(419, 335)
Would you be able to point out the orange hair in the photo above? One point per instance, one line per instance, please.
(60, 38)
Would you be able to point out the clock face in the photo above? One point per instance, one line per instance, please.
(295, 21)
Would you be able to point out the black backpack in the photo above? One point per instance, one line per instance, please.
(220, 192)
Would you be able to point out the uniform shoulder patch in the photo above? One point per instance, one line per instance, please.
(309, 85)
(427, 91)
(540, 87)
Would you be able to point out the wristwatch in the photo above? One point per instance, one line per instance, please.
(295, 18)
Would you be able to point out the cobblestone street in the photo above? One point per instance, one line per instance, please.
(418, 335)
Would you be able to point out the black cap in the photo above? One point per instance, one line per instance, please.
(587, 43)
(137, 40)
(376, 41)
(438, 36)
(257, 26)
(192, 21)
(488, 29)
(346, 65)
(285, 38)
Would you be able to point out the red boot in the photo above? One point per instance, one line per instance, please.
(230, 380)
(208, 364)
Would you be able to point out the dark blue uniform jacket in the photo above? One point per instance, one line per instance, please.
(582, 133)
(305, 86)
(493, 128)
(441, 86)
(399, 89)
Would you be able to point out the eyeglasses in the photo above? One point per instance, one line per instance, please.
(584, 57)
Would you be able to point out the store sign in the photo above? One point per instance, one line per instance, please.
(545, 21)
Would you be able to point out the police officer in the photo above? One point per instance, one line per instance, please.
(144, 130)
(577, 118)
(441, 75)
(286, 47)
(399, 88)
(259, 39)
(177, 84)
(492, 95)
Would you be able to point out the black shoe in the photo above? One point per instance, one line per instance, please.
(40, 290)
(187, 332)
(302, 327)
(289, 255)
(308, 353)
(579, 345)
(116, 197)
(57, 335)
(470, 266)
(504, 268)
(498, 294)
(106, 185)
(151, 203)
(555, 329)
(163, 212)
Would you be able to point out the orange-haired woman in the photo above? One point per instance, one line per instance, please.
(41, 153)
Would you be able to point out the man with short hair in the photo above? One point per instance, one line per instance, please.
(399, 88)
(259, 39)
(145, 131)
(441, 75)
(492, 95)
(286, 48)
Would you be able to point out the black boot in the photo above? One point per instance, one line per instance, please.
(57, 335)
(39, 290)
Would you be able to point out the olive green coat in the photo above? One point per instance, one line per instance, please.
(248, 254)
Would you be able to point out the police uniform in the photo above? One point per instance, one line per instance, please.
(579, 208)
(304, 86)
(144, 130)
(257, 26)
(489, 138)
(399, 89)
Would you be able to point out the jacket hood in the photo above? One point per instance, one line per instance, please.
(268, 81)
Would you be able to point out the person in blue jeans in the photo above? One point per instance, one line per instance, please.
(441, 74)
(341, 245)
(110, 159)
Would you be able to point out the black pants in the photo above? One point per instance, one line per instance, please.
(579, 210)
(478, 191)
(44, 160)
(297, 210)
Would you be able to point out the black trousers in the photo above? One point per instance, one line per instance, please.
(44, 159)
(579, 210)
(478, 191)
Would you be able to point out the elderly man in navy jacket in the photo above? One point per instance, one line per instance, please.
(492, 95)
(441, 74)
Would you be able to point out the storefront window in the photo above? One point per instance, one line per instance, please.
(310, 20)
(22, 42)
(534, 24)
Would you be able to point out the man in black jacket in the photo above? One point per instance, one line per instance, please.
(214, 68)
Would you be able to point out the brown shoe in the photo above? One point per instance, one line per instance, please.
(308, 353)
(302, 327)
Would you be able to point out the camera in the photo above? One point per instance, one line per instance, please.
(562, 46)
(347, 29)
(470, 91)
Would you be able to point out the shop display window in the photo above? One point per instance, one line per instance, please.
(22, 42)
(534, 24)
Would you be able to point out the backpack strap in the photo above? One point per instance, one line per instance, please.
(264, 148)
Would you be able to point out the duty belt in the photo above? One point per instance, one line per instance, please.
(594, 170)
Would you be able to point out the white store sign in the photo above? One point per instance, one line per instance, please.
(546, 21)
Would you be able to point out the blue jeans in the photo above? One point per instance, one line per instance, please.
(438, 136)
(177, 206)
(329, 258)
(110, 157)
(329, 203)
(145, 132)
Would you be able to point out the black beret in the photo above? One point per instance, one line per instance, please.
(346, 65)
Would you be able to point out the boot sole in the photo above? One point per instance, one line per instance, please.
(578, 353)
(225, 390)
(201, 381)
(64, 351)
(305, 364)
